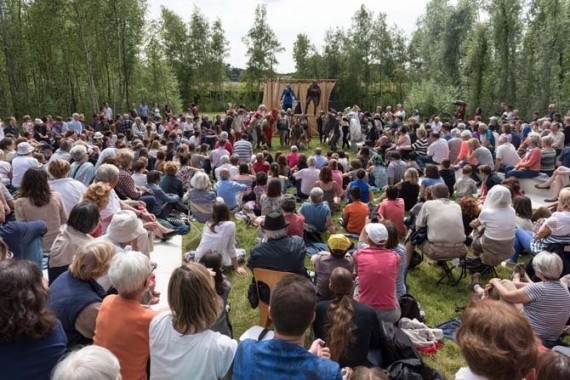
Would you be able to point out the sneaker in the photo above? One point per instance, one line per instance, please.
(551, 200)
(508, 264)
(475, 280)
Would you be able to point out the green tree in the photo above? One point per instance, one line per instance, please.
(262, 48)
(302, 52)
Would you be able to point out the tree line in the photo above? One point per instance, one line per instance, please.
(60, 56)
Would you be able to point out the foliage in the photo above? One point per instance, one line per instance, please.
(262, 48)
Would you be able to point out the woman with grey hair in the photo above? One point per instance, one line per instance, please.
(200, 198)
(123, 323)
(546, 304)
(81, 169)
(464, 149)
(529, 165)
(91, 362)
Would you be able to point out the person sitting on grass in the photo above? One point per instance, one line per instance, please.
(431, 178)
(317, 212)
(497, 343)
(365, 189)
(546, 304)
(90, 362)
(292, 310)
(377, 269)
(325, 262)
(448, 175)
(123, 323)
(553, 365)
(355, 213)
(350, 328)
(296, 221)
(392, 209)
(182, 344)
(466, 185)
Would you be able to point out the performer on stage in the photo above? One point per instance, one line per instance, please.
(313, 95)
(287, 98)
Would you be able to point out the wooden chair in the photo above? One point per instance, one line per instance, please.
(270, 278)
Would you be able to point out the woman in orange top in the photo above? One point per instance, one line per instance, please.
(464, 151)
(123, 323)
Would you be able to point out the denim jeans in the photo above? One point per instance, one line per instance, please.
(35, 251)
(423, 160)
(522, 241)
(521, 173)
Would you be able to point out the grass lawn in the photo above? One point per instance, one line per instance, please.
(438, 302)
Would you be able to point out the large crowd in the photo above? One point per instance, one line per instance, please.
(83, 202)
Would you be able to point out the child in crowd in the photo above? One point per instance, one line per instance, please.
(392, 209)
(465, 186)
(325, 262)
(139, 173)
(448, 175)
(523, 209)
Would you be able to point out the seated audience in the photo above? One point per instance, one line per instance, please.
(529, 165)
(466, 185)
(296, 221)
(409, 188)
(292, 310)
(200, 198)
(496, 341)
(392, 209)
(317, 212)
(91, 362)
(325, 262)
(355, 213)
(350, 328)
(181, 342)
(32, 339)
(123, 323)
(70, 189)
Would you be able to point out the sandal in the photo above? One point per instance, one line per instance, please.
(538, 186)
(551, 200)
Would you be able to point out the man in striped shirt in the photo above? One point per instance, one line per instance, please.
(243, 149)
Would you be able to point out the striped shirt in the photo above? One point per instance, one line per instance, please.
(547, 159)
(244, 150)
(420, 146)
(549, 308)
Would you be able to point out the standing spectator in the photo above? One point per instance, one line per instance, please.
(143, 111)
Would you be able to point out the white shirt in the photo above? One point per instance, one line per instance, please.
(20, 164)
(507, 153)
(222, 241)
(436, 127)
(207, 355)
(71, 191)
(308, 178)
(499, 223)
(234, 170)
(438, 150)
(107, 152)
(5, 169)
(113, 206)
(466, 374)
(140, 179)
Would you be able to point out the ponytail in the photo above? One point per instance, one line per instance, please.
(340, 331)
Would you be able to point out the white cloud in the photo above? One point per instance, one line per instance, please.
(288, 18)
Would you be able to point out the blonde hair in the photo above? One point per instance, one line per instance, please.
(98, 193)
(124, 158)
(59, 168)
(92, 260)
(473, 143)
(170, 167)
(564, 199)
(411, 175)
(193, 299)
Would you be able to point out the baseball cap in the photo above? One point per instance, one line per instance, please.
(339, 242)
(377, 233)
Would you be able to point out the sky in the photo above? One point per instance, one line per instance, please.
(288, 18)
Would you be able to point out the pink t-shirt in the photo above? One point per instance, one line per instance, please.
(377, 271)
(292, 159)
(394, 211)
(337, 177)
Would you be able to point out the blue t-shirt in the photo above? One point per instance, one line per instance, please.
(427, 182)
(288, 95)
(316, 214)
(32, 358)
(364, 190)
(278, 360)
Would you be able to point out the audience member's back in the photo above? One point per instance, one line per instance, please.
(292, 309)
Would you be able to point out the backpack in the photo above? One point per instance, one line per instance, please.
(410, 308)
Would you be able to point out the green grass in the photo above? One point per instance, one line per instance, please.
(438, 301)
